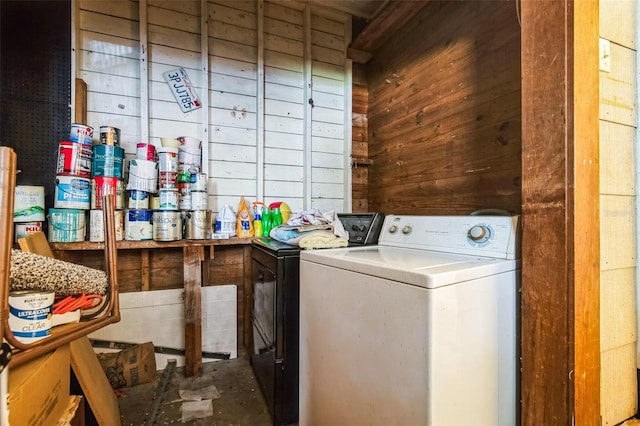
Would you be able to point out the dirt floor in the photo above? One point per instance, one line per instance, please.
(229, 384)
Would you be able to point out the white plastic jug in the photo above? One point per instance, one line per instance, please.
(226, 221)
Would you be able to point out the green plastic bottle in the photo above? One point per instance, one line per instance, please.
(276, 217)
(266, 221)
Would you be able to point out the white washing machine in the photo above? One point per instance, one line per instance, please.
(418, 330)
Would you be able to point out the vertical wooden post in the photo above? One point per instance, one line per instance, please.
(560, 245)
(192, 258)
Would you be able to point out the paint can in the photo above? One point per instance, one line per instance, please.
(108, 161)
(28, 205)
(81, 134)
(154, 202)
(72, 192)
(109, 135)
(198, 225)
(198, 182)
(167, 225)
(145, 151)
(30, 314)
(74, 159)
(66, 225)
(184, 202)
(96, 225)
(168, 199)
(138, 200)
(168, 180)
(101, 186)
(199, 200)
(189, 161)
(190, 144)
(137, 225)
(22, 229)
(168, 159)
(143, 175)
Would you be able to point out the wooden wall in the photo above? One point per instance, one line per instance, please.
(618, 237)
(444, 112)
(359, 140)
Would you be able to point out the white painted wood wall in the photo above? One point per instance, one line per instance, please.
(618, 215)
(273, 77)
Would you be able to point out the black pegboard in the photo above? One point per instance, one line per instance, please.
(35, 89)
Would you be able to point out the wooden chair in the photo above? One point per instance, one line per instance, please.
(60, 335)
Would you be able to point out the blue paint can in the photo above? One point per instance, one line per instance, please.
(108, 161)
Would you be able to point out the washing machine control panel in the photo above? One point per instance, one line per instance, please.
(493, 236)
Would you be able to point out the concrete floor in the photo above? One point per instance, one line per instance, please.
(240, 400)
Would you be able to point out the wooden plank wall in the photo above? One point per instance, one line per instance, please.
(444, 112)
(277, 91)
(359, 140)
(618, 237)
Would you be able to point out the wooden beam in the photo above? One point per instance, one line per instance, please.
(393, 16)
(560, 245)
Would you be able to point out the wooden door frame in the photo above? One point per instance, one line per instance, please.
(560, 206)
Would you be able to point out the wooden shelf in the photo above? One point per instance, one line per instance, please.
(150, 244)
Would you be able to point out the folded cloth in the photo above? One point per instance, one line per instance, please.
(321, 239)
(314, 219)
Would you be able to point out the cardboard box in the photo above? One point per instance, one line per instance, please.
(39, 389)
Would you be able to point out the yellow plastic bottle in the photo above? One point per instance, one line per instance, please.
(244, 226)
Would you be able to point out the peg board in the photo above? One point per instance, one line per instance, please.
(35, 90)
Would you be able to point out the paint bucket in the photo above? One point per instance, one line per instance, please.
(167, 225)
(154, 202)
(74, 159)
(184, 202)
(109, 135)
(96, 225)
(72, 192)
(28, 204)
(138, 200)
(143, 175)
(23, 229)
(30, 314)
(198, 225)
(189, 161)
(168, 199)
(168, 159)
(66, 225)
(190, 144)
(145, 151)
(137, 225)
(101, 186)
(81, 134)
(168, 180)
(199, 200)
(198, 182)
(108, 161)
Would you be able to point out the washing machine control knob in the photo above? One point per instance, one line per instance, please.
(479, 233)
(393, 229)
(407, 230)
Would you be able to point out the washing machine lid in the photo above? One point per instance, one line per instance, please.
(429, 269)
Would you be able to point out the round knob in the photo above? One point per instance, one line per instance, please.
(393, 229)
(362, 228)
(354, 228)
(478, 233)
(407, 230)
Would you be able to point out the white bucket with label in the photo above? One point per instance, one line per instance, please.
(30, 314)
(199, 200)
(167, 225)
(72, 192)
(22, 229)
(96, 225)
(67, 225)
(28, 205)
(143, 175)
(168, 159)
(137, 225)
(168, 199)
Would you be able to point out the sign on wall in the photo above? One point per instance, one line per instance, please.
(182, 89)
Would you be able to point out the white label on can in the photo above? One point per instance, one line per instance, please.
(30, 315)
